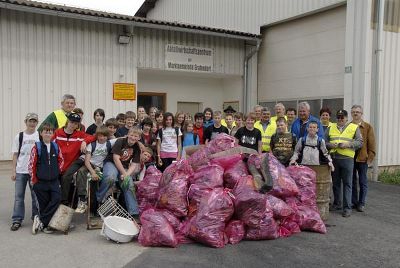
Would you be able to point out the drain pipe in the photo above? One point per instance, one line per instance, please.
(246, 78)
(377, 85)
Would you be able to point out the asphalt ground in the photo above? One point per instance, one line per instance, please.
(369, 239)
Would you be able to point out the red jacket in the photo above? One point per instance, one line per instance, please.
(33, 164)
(199, 131)
(71, 146)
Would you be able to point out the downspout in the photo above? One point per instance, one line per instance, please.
(377, 85)
(246, 75)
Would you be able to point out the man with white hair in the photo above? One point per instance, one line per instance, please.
(58, 118)
(257, 110)
(362, 159)
(279, 112)
(300, 125)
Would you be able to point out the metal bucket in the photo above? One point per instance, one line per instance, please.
(62, 218)
(324, 181)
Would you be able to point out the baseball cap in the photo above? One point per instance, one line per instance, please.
(30, 116)
(74, 117)
(341, 113)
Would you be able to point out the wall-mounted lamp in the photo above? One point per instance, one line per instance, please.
(124, 39)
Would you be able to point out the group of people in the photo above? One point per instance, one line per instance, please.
(118, 150)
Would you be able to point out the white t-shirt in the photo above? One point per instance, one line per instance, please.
(28, 142)
(100, 153)
(169, 140)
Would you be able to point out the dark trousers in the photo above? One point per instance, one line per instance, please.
(343, 173)
(358, 197)
(166, 162)
(66, 179)
(48, 196)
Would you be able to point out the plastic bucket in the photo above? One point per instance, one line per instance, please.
(324, 181)
(62, 218)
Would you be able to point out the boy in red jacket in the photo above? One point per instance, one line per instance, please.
(72, 143)
(45, 164)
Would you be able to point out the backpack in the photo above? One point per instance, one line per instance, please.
(108, 144)
(20, 139)
(39, 147)
(195, 138)
(322, 159)
(161, 134)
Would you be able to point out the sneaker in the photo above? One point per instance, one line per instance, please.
(48, 230)
(334, 207)
(346, 213)
(81, 208)
(15, 226)
(37, 225)
(360, 208)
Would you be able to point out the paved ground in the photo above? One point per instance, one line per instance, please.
(370, 239)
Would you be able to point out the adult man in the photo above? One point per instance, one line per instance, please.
(279, 112)
(363, 158)
(291, 115)
(343, 139)
(266, 127)
(228, 111)
(58, 118)
(198, 127)
(257, 110)
(300, 125)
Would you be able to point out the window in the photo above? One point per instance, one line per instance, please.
(149, 99)
(391, 19)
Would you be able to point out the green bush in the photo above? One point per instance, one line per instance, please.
(390, 177)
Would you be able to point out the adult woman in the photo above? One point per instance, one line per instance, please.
(325, 116)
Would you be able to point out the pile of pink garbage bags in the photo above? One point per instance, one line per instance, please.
(215, 201)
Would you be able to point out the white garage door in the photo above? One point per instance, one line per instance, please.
(303, 58)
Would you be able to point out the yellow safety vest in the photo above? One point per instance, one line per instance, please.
(61, 118)
(223, 122)
(274, 118)
(346, 136)
(266, 135)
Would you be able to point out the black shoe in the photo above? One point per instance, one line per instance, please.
(335, 207)
(15, 226)
(346, 213)
(360, 208)
(136, 218)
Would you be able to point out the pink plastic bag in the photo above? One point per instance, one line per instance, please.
(208, 225)
(174, 187)
(148, 189)
(172, 220)
(283, 184)
(156, 230)
(279, 207)
(288, 226)
(199, 158)
(210, 176)
(302, 175)
(233, 174)
(195, 194)
(310, 220)
(250, 206)
(228, 161)
(267, 229)
(221, 143)
(235, 231)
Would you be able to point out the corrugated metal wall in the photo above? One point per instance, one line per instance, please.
(43, 57)
(389, 142)
(239, 15)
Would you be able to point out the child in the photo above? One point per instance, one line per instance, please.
(230, 124)
(146, 160)
(148, 138)
(311, 150)
(121, 119)
(159, 118)
(96, 153)
(21, 148)
(130, 118)
(45, 165)
(189, 138)
(112, 125)
(80, 112)
(238, 117)
(198, 126)
(180, 120)
(123, 165)
(208, 117)
(248, 136)
(168, 142)
(283, 142)
(98, 117)
(154, 128)
(215, 128)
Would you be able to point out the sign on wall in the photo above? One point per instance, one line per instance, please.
(124, 91)
(186, 58)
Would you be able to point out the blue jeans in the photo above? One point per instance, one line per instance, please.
(19, 202)
(343, 173)
(359, 198)
(110, 177)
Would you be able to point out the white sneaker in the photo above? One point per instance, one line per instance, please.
(37, 225)
(82, 207)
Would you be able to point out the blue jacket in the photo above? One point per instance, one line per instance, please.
(296, 127)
